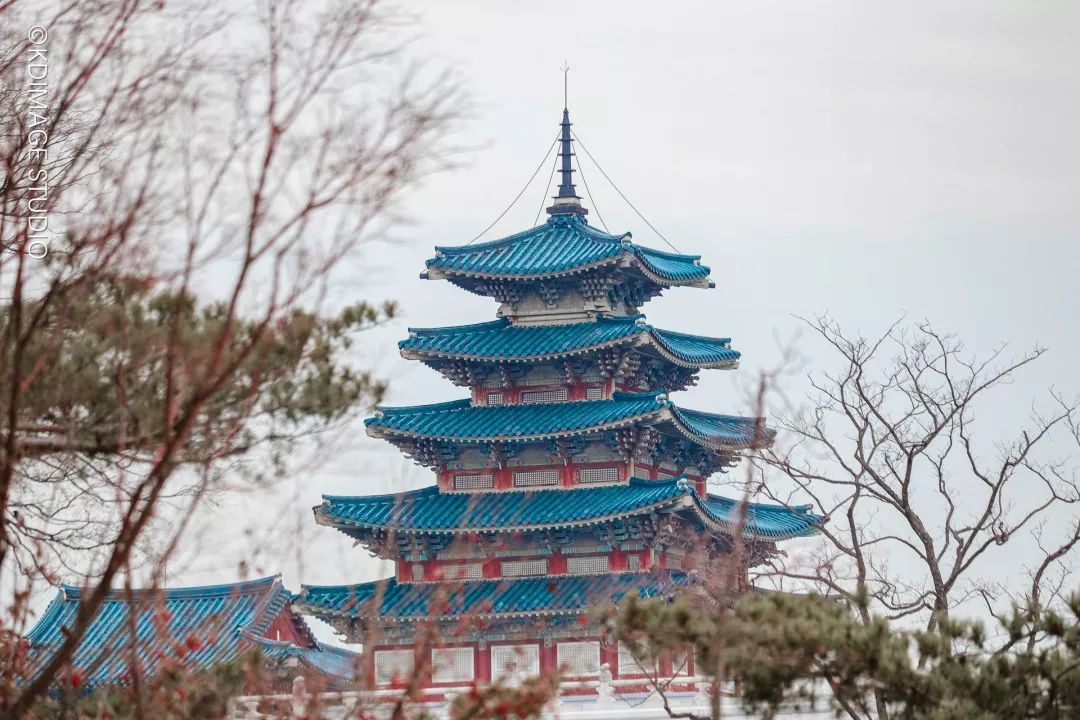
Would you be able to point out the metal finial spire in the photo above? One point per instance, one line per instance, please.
(567, 201)
(565, 86)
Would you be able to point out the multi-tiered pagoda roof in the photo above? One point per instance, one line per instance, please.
(567, 477)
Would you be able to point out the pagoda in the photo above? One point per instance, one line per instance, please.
(567, 478)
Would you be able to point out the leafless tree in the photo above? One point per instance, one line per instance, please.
(202, 173)
(922, 500)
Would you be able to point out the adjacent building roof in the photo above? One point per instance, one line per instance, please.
(564, 245)
(501, 341)
(389, 600)
(429, 511)
(193, 626)
(461, 422)
(332, 662)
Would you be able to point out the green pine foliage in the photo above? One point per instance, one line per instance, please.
(781, 649)
(103, 370)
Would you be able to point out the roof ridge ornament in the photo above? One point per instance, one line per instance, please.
(567, 202)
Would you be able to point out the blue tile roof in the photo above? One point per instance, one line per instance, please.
(335, 662)
(563, 245)
(459, 421)
(221, 617)
(500, 341)
(429, 511)
(405, 602)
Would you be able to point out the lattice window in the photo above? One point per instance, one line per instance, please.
(417, 572)
(451, 665)
(633, 562)
(514, 663)
(545, 396)
(494, 398)
(598, 474)
(594, 393)
(393, 666)
(474, 481)
(587, 564)
(628, 665)
(520, 568)
(581, 659)
(466, 571)
(532, 478)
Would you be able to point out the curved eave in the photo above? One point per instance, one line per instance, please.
(627, 259)
(392, 433)
(344, 524)
(400, 512)
(351, 602)
(647, 337)
(751, 530)
(679, 420)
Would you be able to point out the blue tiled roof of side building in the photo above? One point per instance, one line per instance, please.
(429, 511)
(500, 340)
(563, 244)
(459, 420)
(219, 616)
(518, 596)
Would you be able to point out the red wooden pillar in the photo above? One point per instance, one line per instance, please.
(557, 564)
(549, 659)
(569, 475)
(609, 653)
(482, 653)
(618, 561)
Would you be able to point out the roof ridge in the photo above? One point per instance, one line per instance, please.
(428, 490)
(662, 253)
(383, 409)
(415, 492)
(73, 592)
(581, 225)
(501, 322)
(617, 396)
(664, 331)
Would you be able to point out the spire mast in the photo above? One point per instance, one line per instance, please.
(567, 201)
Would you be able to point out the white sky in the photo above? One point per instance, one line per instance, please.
(863, 159)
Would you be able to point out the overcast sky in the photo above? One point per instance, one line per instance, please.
(865, 159)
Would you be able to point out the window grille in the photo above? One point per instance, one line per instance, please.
(598, 474)
(417, 572)
(545, 396)
(520, 568)
(581, 659)
(514, 663)
(633, 561)
(474, 481)
(628, 665)
(594, 393)
(393, 666)
(587, 564)
(494, 398)
(452, 664)
(466, 571)
(531, 478)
